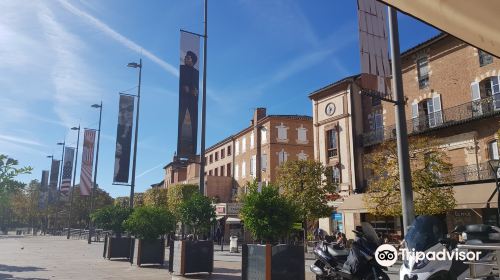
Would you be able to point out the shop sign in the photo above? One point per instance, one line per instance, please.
(233, 208)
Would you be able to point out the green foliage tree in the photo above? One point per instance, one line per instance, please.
(80, 208)
(9, 170)
(111, 218)
(156, 197)
(268, 215)
(309, 184)
(149, 222)
(430, 174)
(177, 194)
(198, 214)
(124, 201)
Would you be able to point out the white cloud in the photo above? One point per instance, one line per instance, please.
(150, 170)
(119, 37)
(70, 77)
(20, 140)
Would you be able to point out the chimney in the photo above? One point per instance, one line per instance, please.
(258, 114)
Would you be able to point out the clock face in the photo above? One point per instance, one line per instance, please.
(330, 109)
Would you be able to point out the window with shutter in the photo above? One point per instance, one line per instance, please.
(477, 109)
(282, 132)
(253, 166)
(243, 145)
(414, 116)
(423, 72)
(251, 140)
(236, 171)
(237, 147)
(243, 169)
(263, 135)
(495, 91)
(434, 111)
(263, 162)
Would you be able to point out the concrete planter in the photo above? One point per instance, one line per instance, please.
(191, 257)
(117, 247)
(150, 252)
(267, 262)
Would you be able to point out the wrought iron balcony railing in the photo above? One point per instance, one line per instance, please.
(462, 113)
(472, 173)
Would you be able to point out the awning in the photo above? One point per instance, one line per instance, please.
(232, 220)
(475, 22)
(475, 195)
(466, 196)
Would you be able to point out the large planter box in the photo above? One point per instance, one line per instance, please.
(150, 252)
(117, 247)
(267, 262)
(191, 257)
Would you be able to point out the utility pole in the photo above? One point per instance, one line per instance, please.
(134, 160)
(204, 108)
(401, 130)
(74, 179)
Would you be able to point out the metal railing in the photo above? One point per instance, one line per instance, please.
(98, 236)
(462, 113)
(494, 262)
(472, 173)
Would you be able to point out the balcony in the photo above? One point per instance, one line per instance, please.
(472, 173)
(483, 108)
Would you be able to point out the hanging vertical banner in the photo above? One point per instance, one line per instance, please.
(69, 155)
(373, 40)
(44, 184)
(124, 139)
(87, 161)
(188, 95)
(54, 178)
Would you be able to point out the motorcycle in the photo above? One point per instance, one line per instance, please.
(426, 235)
(335, 262)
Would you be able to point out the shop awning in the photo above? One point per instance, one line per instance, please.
(466, 196)
(475, 195)
(353, 203)
(232, 220)
(475, 22)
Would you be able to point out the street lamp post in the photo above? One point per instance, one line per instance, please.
(74, 178)
(495, 164)
(95, 172)
(63, 144)
(47, 201)
(134, 159)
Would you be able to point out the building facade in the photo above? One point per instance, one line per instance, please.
(452, 95)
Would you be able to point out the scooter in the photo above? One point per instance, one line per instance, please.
(426, 235)
(332, 260)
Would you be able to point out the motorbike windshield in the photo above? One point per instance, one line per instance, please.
(425, 232)
(370, 233)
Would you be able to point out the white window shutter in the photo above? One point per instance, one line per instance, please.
(438, 114)
(476, 94)
(251, 140)
(236, 172)
(263, 162)
(243, 170)
(254, 166)
(414, 110)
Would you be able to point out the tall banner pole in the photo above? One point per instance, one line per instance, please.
(56, 222)
(401, 129)
(94, 185)
(73, 185)
(204, 108)
(136, 133)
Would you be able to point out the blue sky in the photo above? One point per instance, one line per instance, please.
(58, 57)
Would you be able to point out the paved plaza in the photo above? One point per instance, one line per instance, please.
(55, 257)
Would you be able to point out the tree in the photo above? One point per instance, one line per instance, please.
(9, 170)
(268, 215)
(111, 218)
(124, 201)
(309, 184)
(149, 222)
(177, 194)
(198, 214)
(156, 197)
(430, 174)
(80, 208)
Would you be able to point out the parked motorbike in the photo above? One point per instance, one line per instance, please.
(335, 262)
(426, 235)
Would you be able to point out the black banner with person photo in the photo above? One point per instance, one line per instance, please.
(124, 139)
(189, 77)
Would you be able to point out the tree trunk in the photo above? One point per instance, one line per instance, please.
(305, 234)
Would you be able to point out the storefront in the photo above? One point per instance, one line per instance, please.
(474, 205)
(227, 215)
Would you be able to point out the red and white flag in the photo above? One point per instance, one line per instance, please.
(87, 161)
